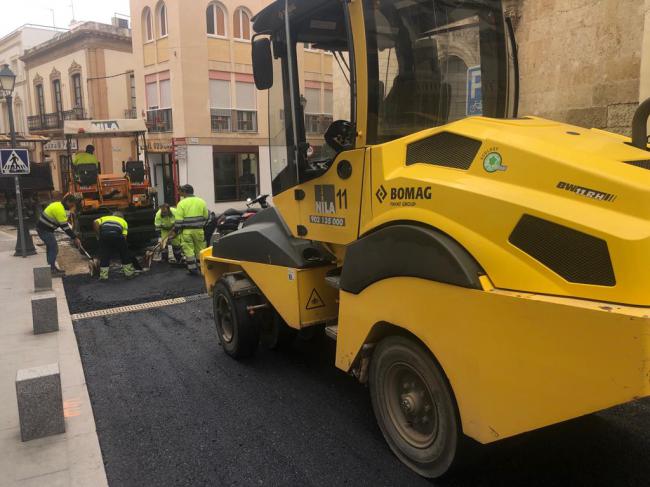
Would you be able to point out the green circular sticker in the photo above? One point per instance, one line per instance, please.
(493, 162)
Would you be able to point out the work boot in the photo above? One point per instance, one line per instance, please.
(192, 268)
(103, 273)
(170, 255)
(129, 271)
(57, 272)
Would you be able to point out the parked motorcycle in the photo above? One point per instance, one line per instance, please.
(232, 219)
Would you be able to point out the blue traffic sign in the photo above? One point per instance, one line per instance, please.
(474, 91)
(14, 162)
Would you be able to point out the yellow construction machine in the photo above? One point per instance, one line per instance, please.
(99, 194)
(482, 272)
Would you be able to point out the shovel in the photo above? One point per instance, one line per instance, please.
(92, 263)
(154, 253)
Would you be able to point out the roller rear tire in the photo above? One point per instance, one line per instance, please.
(414, 406)
(238, 331)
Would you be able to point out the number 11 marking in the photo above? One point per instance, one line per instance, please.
(343, 199)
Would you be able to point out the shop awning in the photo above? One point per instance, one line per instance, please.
(24, 138)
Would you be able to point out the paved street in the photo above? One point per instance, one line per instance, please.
(171, 408)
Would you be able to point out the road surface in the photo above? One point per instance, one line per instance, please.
(172, 409)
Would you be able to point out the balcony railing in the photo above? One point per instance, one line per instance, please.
(227, 120)
(130, 113)
(54, 121)
(159, 120)
(221, 119)
(317, 123)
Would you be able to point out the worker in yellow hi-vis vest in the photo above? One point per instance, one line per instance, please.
(164, 222)
(191, 216)
(87, 157)
(55, 216)
(112, 231)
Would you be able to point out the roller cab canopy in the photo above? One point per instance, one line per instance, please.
(116, 127)
(324, 31)
(271, 18)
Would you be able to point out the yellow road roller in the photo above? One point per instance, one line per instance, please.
(482, 271)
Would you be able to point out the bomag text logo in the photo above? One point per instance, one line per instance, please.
(593, 194)
(404, 195)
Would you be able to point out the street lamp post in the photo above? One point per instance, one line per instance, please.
(7, 82)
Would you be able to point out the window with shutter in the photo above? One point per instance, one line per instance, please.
(162, 18)
(215, 18)
(165, 94)
(220, 113)
(242, 24)
(151, 91)
(147, 24)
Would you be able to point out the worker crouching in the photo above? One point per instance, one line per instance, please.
(191, 216)
(112, 231)
(168, 235)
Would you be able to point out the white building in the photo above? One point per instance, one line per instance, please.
(12, 47)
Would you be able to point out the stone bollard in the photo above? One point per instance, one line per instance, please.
(45, 316)
(40, 402)
(42, 279)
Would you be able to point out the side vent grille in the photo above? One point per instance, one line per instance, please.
(576, 256)
(444, 149)
(641, 164)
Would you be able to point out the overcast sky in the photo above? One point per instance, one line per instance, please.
(14, 13)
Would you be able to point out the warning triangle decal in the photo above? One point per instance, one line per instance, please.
(315, 301)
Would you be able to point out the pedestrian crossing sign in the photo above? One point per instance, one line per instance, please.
(14, 162)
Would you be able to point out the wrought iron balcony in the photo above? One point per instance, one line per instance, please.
(317, 123)
(130, 113)
(54, 121)
(226, 120)
(160, 120)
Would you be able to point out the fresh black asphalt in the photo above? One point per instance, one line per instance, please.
(172, 409)
(163, 281)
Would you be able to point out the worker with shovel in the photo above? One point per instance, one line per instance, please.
(169, 237)
(112, 231)
(55, 215)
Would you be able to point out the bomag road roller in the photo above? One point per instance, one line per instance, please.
(482, 272)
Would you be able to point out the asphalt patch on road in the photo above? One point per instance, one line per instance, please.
(172, 409)
(163, 281)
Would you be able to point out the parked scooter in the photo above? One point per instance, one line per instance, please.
(232, 219)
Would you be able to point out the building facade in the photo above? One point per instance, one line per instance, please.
(585, 63)
(194, 86)
(85, 73)
(12, 47)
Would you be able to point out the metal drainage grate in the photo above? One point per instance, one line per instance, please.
(138, 307)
